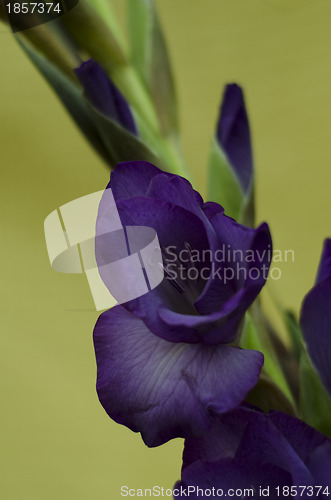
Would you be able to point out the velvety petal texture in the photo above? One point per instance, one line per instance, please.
(168, 358)
(104, 95)
(315, 318)
(248, 449)
(233, 134)
(215, 267)
(165, 389)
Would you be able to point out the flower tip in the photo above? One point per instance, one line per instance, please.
(233, 134)
(104, 95)
(324, 269)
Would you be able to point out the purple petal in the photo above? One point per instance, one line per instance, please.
(232, 474)
(211, 307)
(233, 134)
(264, 442)
(132, 178)
(244, 264)
(276, 439)
(211, 208)
(177, 191)
(175, 227)
(303, 438)
(151, 182)
(315, 322)
(319, 464)
(168, 310)
(164, 389)
(103, 94)
(222, 440)
(324, 270)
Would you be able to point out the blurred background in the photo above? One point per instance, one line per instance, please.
(57, 440)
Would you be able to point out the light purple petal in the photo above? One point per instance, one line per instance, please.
(164, 389)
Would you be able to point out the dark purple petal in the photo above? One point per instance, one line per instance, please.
(303, 438)
(218, 327)
(264, 442)
(221, 440)
(247, 258)
(233, 134)
(132, 178)
(211, 307)
(177, 191)
(233, 474)
(177, 295)
(324, 270)
(103, 94)
(169, 310)
(164, 389)
(211, 208)
(315, 322)
(246, 435)
(319, 464)
(151, 182)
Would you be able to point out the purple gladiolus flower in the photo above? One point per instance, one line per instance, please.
(169, 357)
(104, 95)
(316, 318)
(249, 450)
(233, 135)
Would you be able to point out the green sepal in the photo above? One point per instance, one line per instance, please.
(150, 58)
(267, 396)
(106, 12)
(71, 96)
(295, 334)
(255, 337)
(314, 401)
(223, 185)
(111, 140)
(93, 37)
(121, 144)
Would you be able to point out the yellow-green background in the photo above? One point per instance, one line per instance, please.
(57, 442)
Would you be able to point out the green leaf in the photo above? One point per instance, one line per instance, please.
(223, 186)
(315, 402)
(150, 58)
